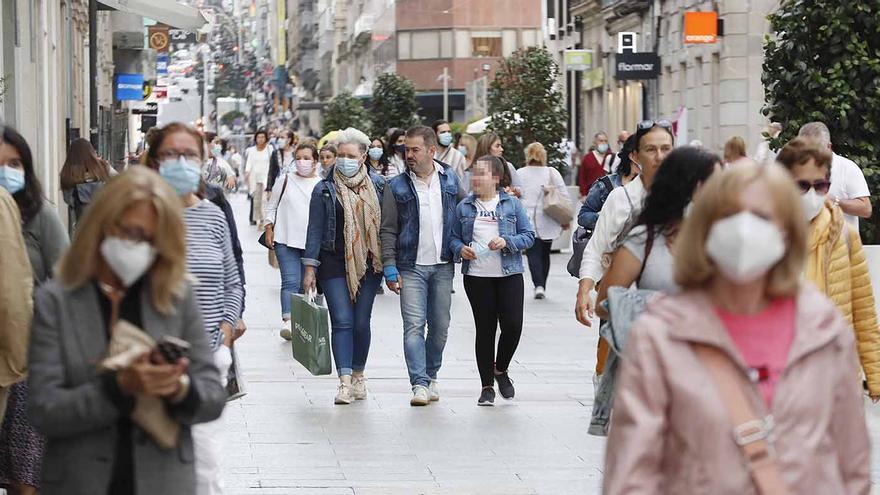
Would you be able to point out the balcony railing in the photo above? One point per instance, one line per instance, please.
(363, 27)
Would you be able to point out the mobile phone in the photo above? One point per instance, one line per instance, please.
(173, 349)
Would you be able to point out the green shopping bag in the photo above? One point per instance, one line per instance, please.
(310, 326)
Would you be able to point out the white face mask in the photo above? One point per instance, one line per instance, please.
(812, 203)
(745, 246)
(129, 260)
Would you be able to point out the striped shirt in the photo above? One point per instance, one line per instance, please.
(210, 261)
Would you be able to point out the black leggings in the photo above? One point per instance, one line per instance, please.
(495, 301)
(539, 261)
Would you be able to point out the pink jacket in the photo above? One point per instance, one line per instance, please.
(670, 433)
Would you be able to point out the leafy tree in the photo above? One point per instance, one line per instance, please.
(394, 103)
(344, 111)
(527, 106)
(823, 65)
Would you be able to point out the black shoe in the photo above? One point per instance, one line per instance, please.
(487, 397)
(505, 385)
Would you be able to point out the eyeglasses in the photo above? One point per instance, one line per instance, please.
(820, 186)
(646, 125)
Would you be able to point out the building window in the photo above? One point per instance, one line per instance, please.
(529, 38)
(425, 45)
(485, 46)
(403, 45)
(446, 44)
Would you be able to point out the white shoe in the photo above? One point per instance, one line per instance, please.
(286, 334)
(420, 396)
(433, 391)
(539, 293)
(597, 378)
(359, 387)
(343, 395)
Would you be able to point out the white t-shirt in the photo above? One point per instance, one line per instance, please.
(488, 263)
(430, 218)
(258, 166)
(847, 182)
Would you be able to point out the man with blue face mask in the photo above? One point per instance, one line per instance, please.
(418, 211)
(592, 164)
(447, 153)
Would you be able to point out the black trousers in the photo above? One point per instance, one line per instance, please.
(539, 261)
(495, 302)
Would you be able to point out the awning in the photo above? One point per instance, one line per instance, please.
(165, 11)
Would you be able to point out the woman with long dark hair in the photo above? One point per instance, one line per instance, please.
(82, 174)
(378, 159)
(21, 447)
(645, 258)
(396, 149)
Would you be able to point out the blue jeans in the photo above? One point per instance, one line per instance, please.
(350, 321)
(291, 275)
(425, 297)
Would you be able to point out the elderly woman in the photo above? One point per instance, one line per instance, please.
(343, 251)
(744, 381)
(119, 267)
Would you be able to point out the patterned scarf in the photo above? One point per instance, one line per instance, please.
(360, 205)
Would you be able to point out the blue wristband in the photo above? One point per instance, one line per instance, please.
(390, 273)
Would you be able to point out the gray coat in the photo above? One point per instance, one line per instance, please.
(69, 402)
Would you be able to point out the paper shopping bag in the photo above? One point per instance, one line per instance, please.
(310, 326)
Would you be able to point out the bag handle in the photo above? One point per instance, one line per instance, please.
(750, 433)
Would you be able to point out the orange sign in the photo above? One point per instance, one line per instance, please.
(701, 27)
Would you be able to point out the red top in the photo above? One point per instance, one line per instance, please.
(764, 340)
(591, 171)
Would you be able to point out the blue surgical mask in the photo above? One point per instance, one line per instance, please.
(462, 150)
(348, 166)
(11, 179)
(602, 148)
(445, 138)
(181, 174)
(376, 153)
(217, 150)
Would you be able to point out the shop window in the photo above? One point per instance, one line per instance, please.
(486, 47)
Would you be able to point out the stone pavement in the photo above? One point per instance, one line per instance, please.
(286, 436)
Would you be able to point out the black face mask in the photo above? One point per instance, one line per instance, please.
(400, 148)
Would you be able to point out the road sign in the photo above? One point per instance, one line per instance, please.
(578, 60)
(636, 66)
(150, 108)
(129, 87)
(158, 38)
(701, 27)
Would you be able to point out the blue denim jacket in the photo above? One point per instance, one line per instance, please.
(400, 218)
(514, 228)
(321, 233)
(589, 214)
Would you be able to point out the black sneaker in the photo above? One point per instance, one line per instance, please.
(505, 385)
(487, 397)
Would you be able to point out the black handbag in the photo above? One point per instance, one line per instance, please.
(262, 239)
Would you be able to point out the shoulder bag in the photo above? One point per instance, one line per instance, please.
(557, 205)
(262, 239)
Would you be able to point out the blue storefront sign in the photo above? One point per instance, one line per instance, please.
(162, 64)
(129, 87)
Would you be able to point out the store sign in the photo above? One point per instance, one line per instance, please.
(160, 92)
(578, 60)
(129, 87)
(158, 38)
(635, 66)
(149, 108)
(181, 36)
(593, 79)
(627, 42)
(700, 27)
(162, 64)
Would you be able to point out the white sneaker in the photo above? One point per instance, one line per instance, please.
(433, 391)
(420, 396)
(539, 293)
(359, 387)
(343, 395)
(596, 379)
(286, 334)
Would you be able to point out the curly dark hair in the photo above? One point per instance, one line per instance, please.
(29, 199)
(674, 185)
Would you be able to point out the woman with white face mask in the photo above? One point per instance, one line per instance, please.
(746, 378)
(127, 262)
(175, 152)
(835, 257)
(287, 214)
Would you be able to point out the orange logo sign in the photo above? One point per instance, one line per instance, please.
(701, 27)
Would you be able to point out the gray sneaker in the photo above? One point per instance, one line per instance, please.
(359, 388)
(433, 391)
(420, 396)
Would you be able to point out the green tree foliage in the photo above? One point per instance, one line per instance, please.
(344, 111)
(823, 64)
(527, 106)
(394, 103)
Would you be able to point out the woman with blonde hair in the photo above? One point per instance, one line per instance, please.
(745, 378)
(735, 152)
(835, 257)
(536, 176)
(127, 262)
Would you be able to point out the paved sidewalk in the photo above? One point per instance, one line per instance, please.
(287, 437)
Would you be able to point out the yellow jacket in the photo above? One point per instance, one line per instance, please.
(837, 266)
(16, 283)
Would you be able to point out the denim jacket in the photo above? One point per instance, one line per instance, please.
(514, 228)
(321, 233)
(400, 218)
(589, 214)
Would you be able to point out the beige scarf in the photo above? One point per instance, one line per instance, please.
(360, 205)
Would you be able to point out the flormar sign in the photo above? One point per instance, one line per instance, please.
(635, 66)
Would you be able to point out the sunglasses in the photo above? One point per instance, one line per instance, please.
(820, 186)
(646, 125)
